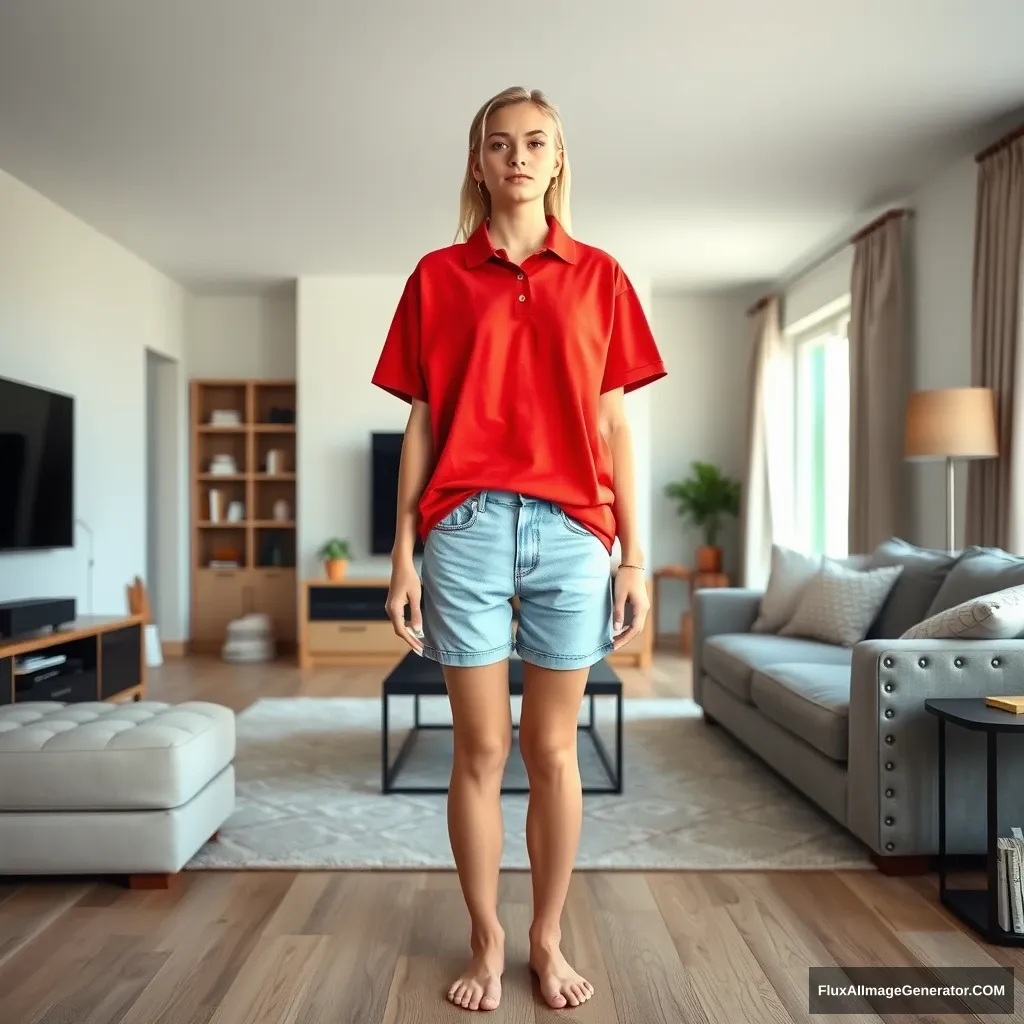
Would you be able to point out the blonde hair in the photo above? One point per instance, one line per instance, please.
(474, 202)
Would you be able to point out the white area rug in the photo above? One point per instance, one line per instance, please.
(308, 776)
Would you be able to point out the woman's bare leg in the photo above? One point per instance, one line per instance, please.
(547, 738)
(483, 735)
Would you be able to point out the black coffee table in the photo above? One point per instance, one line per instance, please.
(418, 677)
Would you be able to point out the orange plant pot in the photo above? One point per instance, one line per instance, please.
(336, 569)
(708, 559)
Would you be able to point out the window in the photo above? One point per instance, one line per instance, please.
(822, 432)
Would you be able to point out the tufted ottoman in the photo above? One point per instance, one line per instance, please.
(112, 789)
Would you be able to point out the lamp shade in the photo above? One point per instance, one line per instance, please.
(957, 423)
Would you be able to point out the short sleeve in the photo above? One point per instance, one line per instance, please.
(399, 371)
(633, 358)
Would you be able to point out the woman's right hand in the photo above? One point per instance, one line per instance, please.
(405, 590)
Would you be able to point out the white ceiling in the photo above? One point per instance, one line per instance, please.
(713, 142)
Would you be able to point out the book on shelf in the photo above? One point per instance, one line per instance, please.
(1015, 705)
(1010, 853)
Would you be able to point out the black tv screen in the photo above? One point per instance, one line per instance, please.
(385, 459)
(37, 468)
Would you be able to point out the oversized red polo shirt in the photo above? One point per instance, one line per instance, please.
(512, 361)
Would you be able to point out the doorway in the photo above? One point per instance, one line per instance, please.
(165, 518)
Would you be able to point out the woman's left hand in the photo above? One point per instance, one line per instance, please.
(630, 589)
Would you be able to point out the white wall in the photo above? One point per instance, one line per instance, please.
(698, 412)
(342, 323)
(244, 335)
(941, 284)
(77, 313)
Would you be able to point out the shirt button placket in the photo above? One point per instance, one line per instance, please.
(521, 298)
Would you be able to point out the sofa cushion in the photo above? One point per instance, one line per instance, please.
(978, 571)
(791, 571)
(810, 701)
(924, 572)
(731, 658)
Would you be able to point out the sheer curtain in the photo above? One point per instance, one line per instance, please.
(766, 515)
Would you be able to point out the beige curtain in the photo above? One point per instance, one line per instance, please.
(766, 512)
(994, 509)
(878, 366)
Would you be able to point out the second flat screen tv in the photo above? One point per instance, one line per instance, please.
(385, 459)
(37, 468)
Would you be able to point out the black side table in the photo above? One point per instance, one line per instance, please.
(978, 908)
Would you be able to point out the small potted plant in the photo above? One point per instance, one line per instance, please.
(335, 557)
(704, 499)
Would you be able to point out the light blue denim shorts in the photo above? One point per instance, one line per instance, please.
(500, 544)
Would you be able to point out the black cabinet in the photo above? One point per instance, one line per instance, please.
(120, 660)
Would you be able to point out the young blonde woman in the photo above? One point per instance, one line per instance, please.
(514, 347)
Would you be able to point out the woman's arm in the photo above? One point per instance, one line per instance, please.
(415, 467)
(414, 471)
(631, 579)
(615, 430)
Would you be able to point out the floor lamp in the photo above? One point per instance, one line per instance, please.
(951, 424)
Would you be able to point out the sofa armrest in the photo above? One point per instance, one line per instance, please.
(892, 794)
(720, 610)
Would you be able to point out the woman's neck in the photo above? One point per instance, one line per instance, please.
(520, 230)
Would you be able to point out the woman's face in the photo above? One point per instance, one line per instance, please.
(519, 155)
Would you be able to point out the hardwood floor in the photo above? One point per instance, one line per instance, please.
(381, 948)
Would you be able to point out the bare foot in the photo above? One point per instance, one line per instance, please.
(479, 987)
(559, 984)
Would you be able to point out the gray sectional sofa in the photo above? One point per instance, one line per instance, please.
(846, 724)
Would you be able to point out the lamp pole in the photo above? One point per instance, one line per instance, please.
(950, 500)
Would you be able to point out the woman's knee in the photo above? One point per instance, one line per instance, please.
(548, 756)
(482, 756)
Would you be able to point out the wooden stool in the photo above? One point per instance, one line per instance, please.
(667, 572)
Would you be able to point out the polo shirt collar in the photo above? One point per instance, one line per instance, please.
(480, 248)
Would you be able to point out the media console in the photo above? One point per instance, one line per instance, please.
(345, 622)
(92, 658)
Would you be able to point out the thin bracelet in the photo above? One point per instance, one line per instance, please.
(640, 567)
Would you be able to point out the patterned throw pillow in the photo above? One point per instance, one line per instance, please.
(839, 604)
(995, 616)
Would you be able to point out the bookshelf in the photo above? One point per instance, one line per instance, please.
(243, 507)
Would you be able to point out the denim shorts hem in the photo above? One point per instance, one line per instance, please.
(468, 659)
(566, 662)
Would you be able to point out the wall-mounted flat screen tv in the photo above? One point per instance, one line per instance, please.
(37, 467)
(385, 459)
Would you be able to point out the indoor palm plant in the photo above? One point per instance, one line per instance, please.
(335, 555)
(703, 500)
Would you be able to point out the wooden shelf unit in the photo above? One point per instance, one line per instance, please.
(110, 650)
(249, 564)
(345, 622)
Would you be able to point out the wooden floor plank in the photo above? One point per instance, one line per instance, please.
(730, 984)
(325, 947)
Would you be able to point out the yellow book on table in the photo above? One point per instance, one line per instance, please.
(1015, 705)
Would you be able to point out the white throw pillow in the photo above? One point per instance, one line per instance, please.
(839, 604)
(790, 573)
(995, 616)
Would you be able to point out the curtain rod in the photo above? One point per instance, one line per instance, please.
(830, 253)
(999, 144)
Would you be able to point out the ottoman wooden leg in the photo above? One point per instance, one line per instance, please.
(151, 881)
